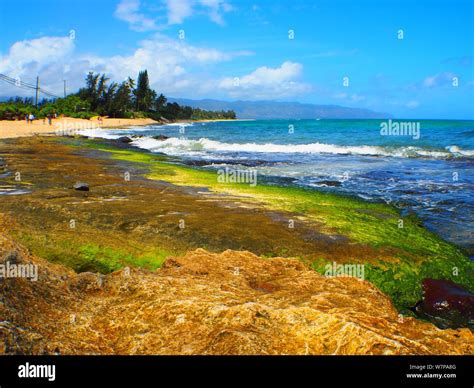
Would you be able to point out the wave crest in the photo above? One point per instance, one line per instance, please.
(182, 146)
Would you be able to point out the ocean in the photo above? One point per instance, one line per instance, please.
(423, 167)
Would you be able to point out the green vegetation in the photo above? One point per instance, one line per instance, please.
(87, 257)
(121, 100)
(95, 258)
(408, 254)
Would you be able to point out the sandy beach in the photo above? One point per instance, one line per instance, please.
(12, 129)
(20, 128)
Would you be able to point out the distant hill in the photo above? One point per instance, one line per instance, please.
(282, 110)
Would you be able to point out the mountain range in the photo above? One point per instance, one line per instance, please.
(282, 110)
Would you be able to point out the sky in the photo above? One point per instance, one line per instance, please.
(412, 59)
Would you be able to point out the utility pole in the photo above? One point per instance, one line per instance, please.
(64, 88)
(37, 91)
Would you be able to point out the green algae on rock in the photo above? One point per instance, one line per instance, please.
(414, 252)
(137, 222)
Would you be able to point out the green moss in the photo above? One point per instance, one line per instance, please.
(91, 257)
(415, 253)
(96, 258)
(368, 223)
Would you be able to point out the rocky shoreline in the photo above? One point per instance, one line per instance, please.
(208, 304)
(135, 241)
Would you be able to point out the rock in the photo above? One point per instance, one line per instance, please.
(81, 186)
(160, 137)
(446, 303)
(330, 183)
(210, 304)
(124, 139)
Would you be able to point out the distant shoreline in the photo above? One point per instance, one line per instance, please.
(20, 128)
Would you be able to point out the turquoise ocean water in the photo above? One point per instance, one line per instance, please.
(426, 167)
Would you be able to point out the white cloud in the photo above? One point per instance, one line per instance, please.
(266, 82)
(128, 11)
(439, 79)
(173, 65)
(349, 97)
(215, 9)
(35, 53)
(175, 68)
(177, 11)
(169, 62)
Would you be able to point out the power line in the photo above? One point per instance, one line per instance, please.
(25, 85)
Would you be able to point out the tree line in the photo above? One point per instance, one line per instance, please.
(100, 97)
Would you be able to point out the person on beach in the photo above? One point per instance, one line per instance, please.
(31, 117)
(26, 119)
(49, 119)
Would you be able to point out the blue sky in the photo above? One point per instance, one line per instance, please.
(242, 50)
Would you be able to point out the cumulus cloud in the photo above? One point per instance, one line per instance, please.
(175, 68)
(266, 82)
(35, 53)
(173, 65)
(177, 11)
(215, 9)
(129, 11)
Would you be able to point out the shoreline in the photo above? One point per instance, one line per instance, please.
(19, 128)
(334, 217)
(190, 270)
(13, 129)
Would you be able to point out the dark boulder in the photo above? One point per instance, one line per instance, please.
(81, 186)
(160, 137)
(446, 303)
(330, 183)
(124, 139)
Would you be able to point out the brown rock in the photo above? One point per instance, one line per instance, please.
(208, 303)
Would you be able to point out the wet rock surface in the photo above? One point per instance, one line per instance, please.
(206, 303)
(124, 139)
(160, 137)
(446, 303)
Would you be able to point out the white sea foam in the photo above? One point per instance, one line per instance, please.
(177, 146)
(182, 146)
(98, 133)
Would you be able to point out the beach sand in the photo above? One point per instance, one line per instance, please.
(20, 128)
